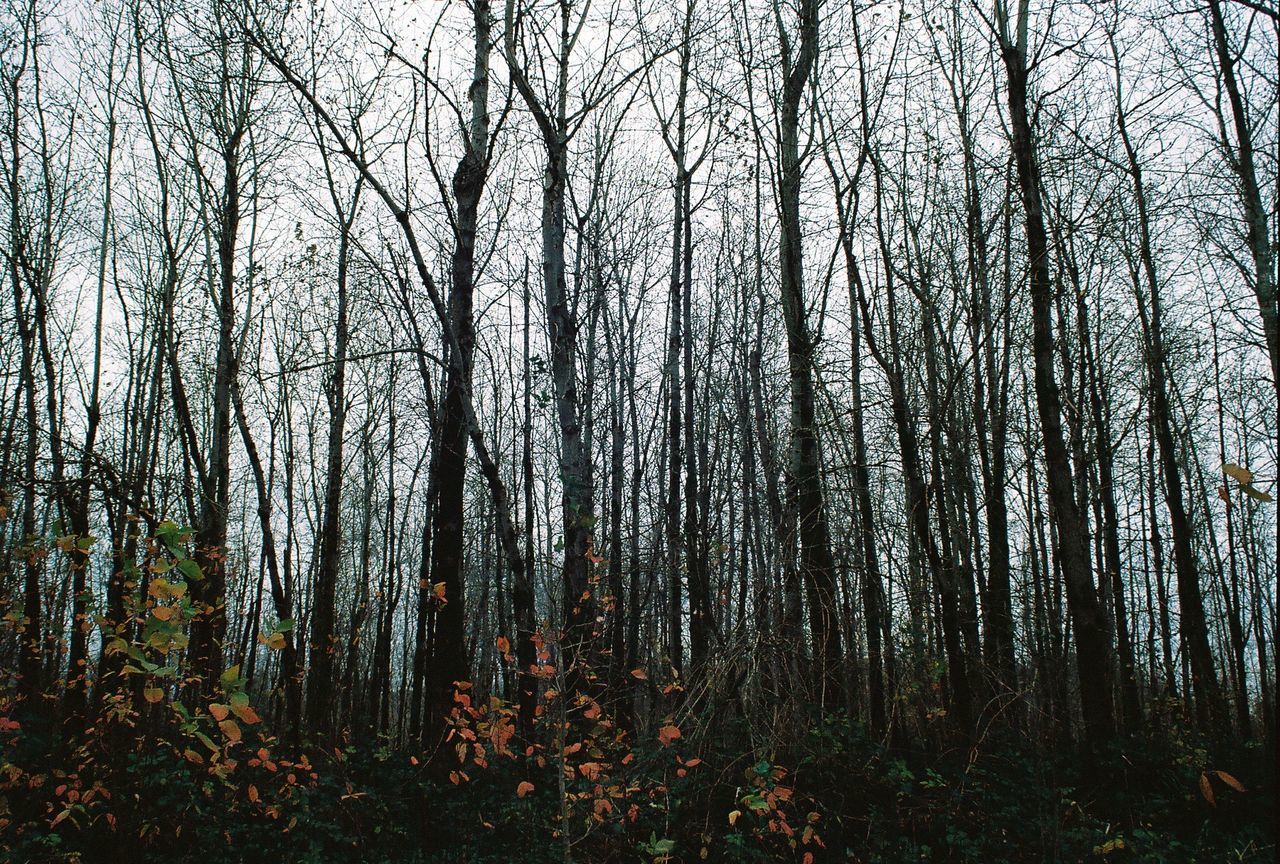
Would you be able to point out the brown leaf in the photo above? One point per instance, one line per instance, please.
(1230, 781)
(1256, 494)
(1242, 475)
(1207, 790)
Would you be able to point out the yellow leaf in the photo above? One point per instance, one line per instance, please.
(153, 694)
(734, 816)
(274, 641)
(163, 613)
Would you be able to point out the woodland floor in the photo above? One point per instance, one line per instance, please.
(835, 796)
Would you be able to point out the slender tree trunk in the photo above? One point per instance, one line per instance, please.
(817, 566)
(1093, 647)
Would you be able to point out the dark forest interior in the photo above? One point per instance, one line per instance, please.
(703, 430)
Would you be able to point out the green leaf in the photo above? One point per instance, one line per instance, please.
(190, 569)
(284, 625)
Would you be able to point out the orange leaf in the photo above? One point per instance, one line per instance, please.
(219, 712)
(230, 729)
(504, 644)
(808, 858)
(524, 788)
(640, 674)
(253, 793)
(668, 734)
(592, 712)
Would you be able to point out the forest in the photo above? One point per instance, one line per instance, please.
(623, 431)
